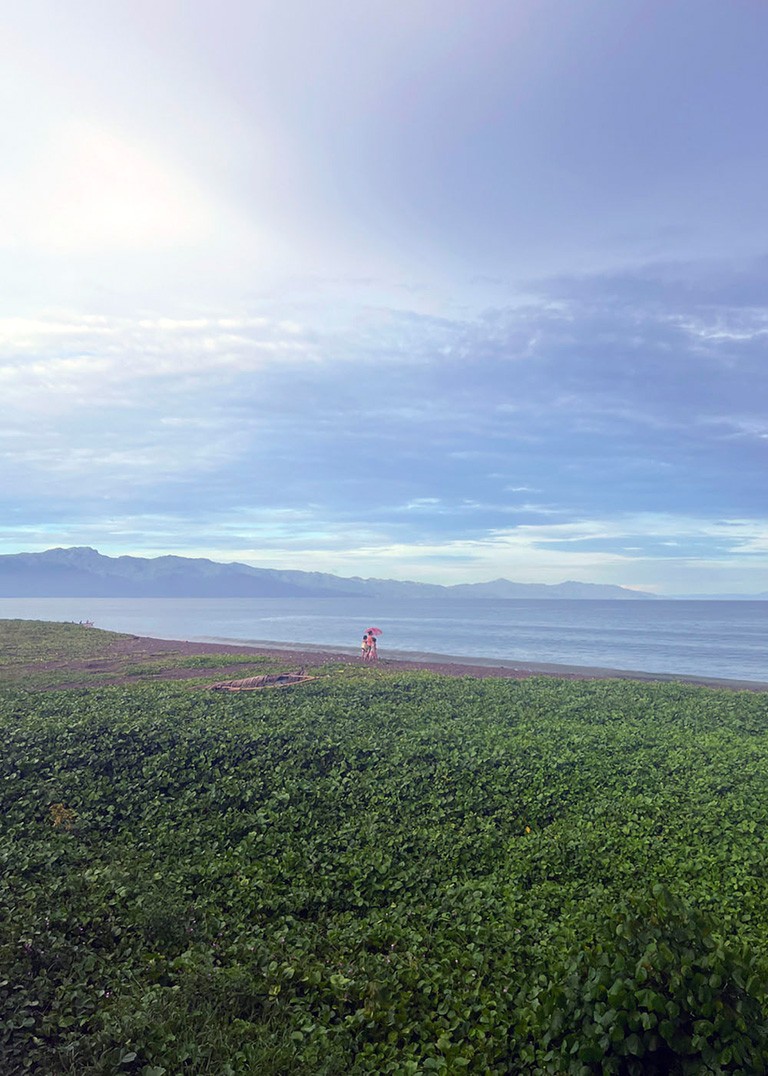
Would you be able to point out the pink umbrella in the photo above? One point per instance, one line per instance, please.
(375, 631)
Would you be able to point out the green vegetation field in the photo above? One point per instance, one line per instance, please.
(382, 873)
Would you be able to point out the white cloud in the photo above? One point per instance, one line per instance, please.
(737, 426)
(737, 325)
(419, 503)
(60, 363)
(528, 554)
(100, 463)
(739, 534)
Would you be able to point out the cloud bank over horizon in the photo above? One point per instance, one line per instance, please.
(415, 295)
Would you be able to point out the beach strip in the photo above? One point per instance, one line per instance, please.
(312, 655)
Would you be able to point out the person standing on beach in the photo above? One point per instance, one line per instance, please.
(365, 647)
(373, 652)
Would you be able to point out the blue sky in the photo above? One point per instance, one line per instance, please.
(429, 290)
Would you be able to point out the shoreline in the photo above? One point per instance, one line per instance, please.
(452, 664)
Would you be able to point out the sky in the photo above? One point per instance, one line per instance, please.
(419, 289)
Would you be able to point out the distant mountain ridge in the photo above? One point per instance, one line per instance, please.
(80, 571)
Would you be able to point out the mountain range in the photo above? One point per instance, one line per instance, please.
(80, 571)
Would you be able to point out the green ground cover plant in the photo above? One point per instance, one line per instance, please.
(244, 664)
(384, 873)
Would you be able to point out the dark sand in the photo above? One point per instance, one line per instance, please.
(310, 656)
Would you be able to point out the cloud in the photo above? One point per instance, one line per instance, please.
(536, 554)
(405, 431)
(445, 396)
(61, 363)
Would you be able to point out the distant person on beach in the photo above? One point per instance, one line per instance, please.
(365, 647)
(373, 652)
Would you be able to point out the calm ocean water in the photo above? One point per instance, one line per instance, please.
(695, 638)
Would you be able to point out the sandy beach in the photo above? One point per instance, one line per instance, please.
(307, 656)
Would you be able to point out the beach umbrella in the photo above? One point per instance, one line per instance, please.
(375, 631)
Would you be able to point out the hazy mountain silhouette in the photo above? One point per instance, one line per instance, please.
(83, 572)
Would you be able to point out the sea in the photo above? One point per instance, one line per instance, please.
(712, 639)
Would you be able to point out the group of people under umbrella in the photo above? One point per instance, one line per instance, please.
(369, 650)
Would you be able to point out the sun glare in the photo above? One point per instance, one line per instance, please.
(106, 191)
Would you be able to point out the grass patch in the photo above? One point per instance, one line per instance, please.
(239, 662)
(42, 655)
(384, 872)
(214, 661)
(24, 642)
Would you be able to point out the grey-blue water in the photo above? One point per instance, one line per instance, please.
(721, 639)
